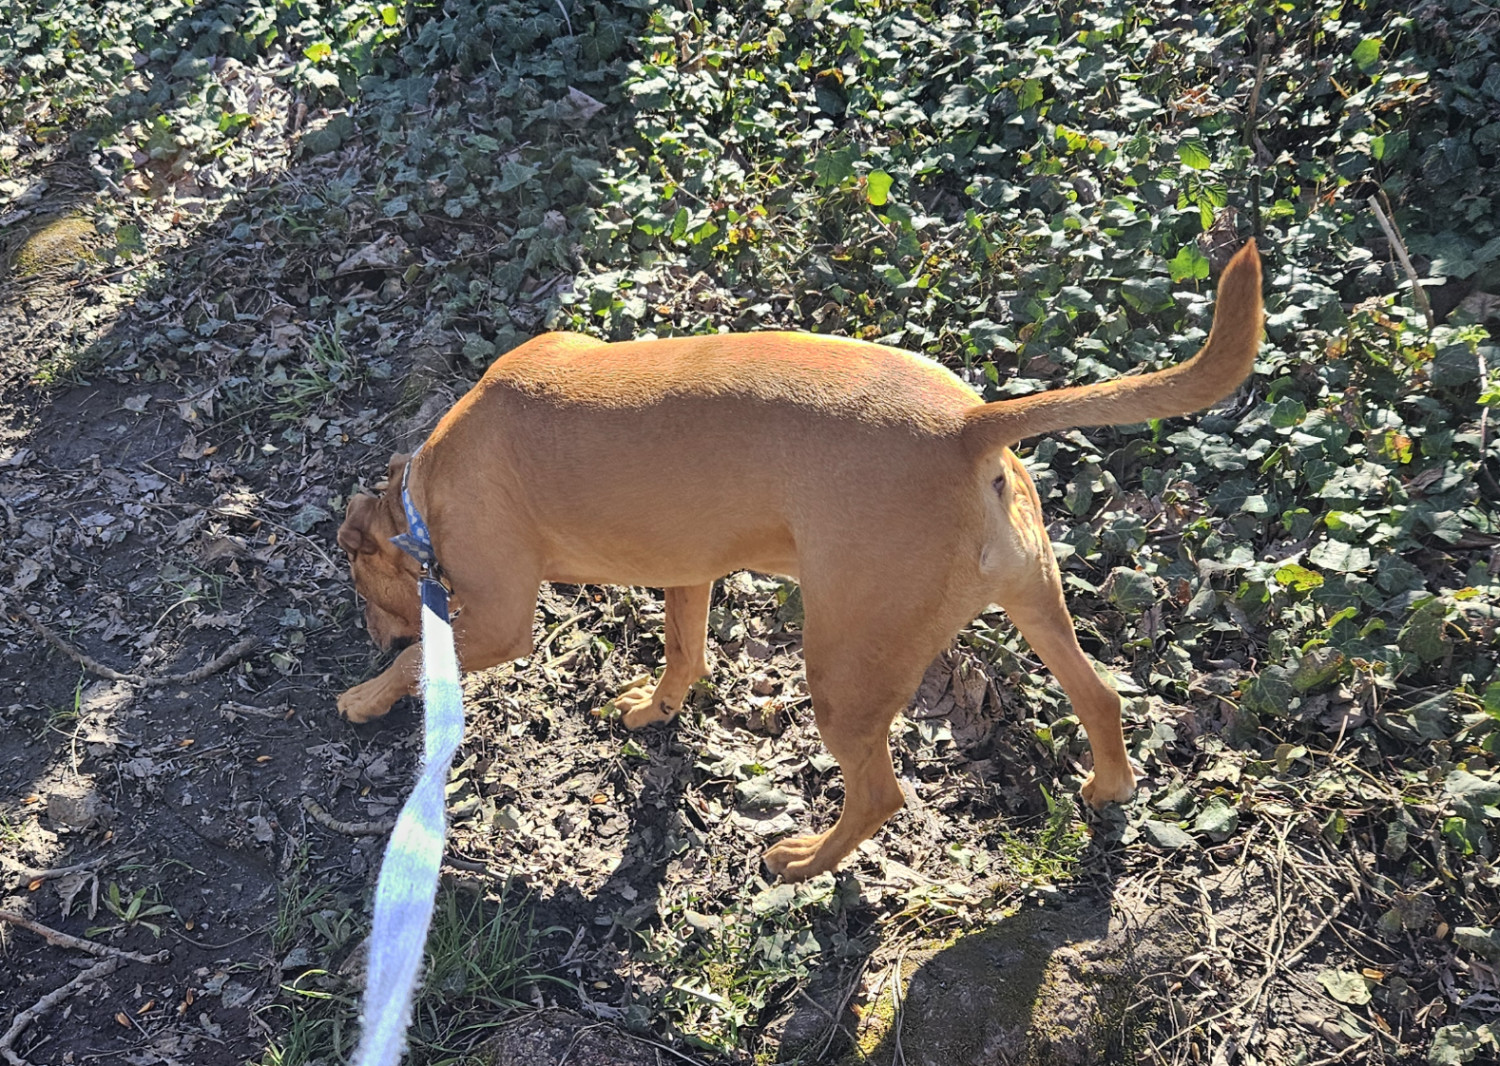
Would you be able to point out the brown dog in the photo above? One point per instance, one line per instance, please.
(873, 476)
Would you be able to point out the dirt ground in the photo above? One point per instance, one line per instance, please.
(173, 778)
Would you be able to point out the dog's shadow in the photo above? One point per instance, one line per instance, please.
(1059, 977)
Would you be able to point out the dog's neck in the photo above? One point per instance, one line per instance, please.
(417, 540)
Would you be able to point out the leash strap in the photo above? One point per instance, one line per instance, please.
(407, 889)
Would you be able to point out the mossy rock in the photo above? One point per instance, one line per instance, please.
(557, 1035)
(59, 243)
(1049, 986)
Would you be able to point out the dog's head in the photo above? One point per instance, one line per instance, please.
(384, 575)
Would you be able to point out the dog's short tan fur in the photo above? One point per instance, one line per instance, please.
(873, 476)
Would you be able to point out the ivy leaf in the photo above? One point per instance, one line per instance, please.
(1340, 556)
(1189, 264)
(1219, 819)
(1346, 986)
(1367, 53)
(1165, 835)
(513, 175)
(1269, 692)
(1297, 577)
(1425, 633)
(1147, 294)
(877, 188)
(1130, 590)
(1453, 1044)
(1482, 942)
(760, 794)
(832, 167)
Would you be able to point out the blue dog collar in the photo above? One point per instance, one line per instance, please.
(416, 541)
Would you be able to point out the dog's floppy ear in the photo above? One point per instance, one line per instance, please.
(354, 534)
(397, 464)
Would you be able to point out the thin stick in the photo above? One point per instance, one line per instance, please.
(73, 653)
(232, 655)
(66, 940)
(29, 874)
(227, 658)
(1484, 422)
(46, 1003)
(320, 814)
(1391, 234)
(561, 628)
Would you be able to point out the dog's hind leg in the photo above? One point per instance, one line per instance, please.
(862, 667)
(686, 640)
(1042, 617)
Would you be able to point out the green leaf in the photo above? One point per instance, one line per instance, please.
(1425, 633)
(877, 188)
(1189, 264)
(1269, 692)
(1286, 754)
(1453, 1044)
(1219, 819)
(1346, 986)
(832, 167)
(1166, 835)
(1367, 53)
(1482, 942)
(1130, 590)
(1319, 667)
(1340, 556)
(318, 51)
(1472, 790)
(513, 175)
(760, 794)
(1297, 577)
(1194, 154)
(1147, 294)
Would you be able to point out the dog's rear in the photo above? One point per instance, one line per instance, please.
(1216, 371)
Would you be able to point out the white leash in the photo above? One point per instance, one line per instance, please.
(407, 889)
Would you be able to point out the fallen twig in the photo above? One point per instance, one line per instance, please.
(320, 814)
(1484, 422)
(232, 655)
(1393, 235)
(67, 940)
(18, 1025)
(558, 630)
(30, 874)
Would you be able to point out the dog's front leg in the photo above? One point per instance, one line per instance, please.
(686, 639)
(373, 698)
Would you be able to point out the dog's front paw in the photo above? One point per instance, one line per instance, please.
(642, 704)
(366, 702)
(1101, 788)
(799, 858)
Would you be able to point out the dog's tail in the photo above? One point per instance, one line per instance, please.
(1217, 370)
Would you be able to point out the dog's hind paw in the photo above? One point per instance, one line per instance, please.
(798, 858)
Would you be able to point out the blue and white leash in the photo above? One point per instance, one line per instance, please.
(407, 888)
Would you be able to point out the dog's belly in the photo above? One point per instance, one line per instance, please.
(617, 554)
